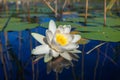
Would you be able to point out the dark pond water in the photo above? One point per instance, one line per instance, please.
(101, 64)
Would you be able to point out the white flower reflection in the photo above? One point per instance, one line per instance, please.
(58, 42)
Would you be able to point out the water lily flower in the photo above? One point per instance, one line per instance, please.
(57, 42)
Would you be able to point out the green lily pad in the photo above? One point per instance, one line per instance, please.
(40, 9)
(109, 36)
(19, 26)
(109, 21)
(95, 29)
(99, 21)
(100, 33)
(4, 15)
(79, 19)
(32, 15)
(12, 20)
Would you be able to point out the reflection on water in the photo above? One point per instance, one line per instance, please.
(99, 64)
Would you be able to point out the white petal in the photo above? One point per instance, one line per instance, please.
(61, 29)
(67, 28)
(66, 56)
(76, 38)
(69, 37)
(42, 49)
(75, 51)
(49, 36)
(54, 53)
(38, 37)
(71, 46)
(52, 26)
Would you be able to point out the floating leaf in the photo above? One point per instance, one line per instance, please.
(70, 19)
(99, 21)
(32, 15)
(110, 21)
(12, 20)
(95, 29)
(104, 36)
(100, 33)
(19, 26)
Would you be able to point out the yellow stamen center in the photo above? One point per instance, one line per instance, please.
(61, 39)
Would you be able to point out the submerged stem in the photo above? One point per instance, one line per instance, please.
(3, 61)
(73, 73)
(97, 62)
(57, 76)
(82, 73)
(95, 48)
(20, 44)
(33, 71)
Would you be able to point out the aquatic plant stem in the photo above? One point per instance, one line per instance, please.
(58, 13)
(86, 12)
(104, 60)
(7, 55)
(33, 71)
(56, 7)
(50, 6)
(95, 48)
(109, 58)
(35, 6)
(20, 44)
(6, 42)
(97, 62)
(6, 6)
(36, 42)
(73, 73)
(82, 68)
(57, 76)
(64, 4)
(3, 61)
(78, 1)
(110, 5)
(37, 72)
(17, 7)
(105, 54)
(104, 12)
(106, 57)
(28, 11)
(68, 2)
(117, 6)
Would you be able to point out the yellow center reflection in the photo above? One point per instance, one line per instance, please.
(61, 39)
